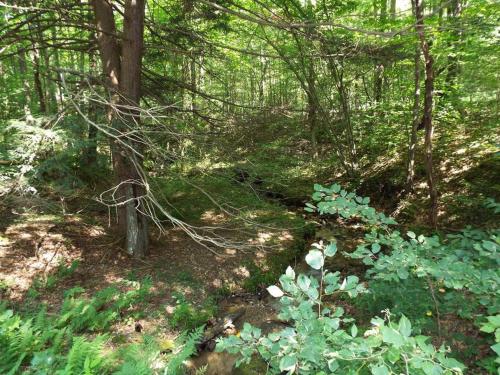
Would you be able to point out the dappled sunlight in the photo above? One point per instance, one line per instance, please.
(241, 272)
(212, 217)
(300, 186)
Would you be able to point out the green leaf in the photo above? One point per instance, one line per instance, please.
(315, 259)
(496, 348)
(430, 368)
(331, 249)
(290, 273)
(393, 355)
(402, 273)
(412, 235)
(380, 370)
(391, 336)
(288, 363)
(335, 188)
(333, 365)
(354, 330)
(375, 248)
(405, 326)
(303, 282)
(489, 245)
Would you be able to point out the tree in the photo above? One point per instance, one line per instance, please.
(428, 102)
(122, 66)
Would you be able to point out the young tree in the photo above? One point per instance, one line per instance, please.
(427, 120)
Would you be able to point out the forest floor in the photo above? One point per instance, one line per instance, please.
(47, 248)
(44, 253)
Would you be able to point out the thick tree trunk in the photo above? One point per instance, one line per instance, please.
(429, 129)
(123, 69)
(130, 88)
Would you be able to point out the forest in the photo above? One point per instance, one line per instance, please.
(249, 187)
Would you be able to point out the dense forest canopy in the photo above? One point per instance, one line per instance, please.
(216, 140)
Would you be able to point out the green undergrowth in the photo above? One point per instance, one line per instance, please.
(203, 197)
(193, 304)
(188, 316)
(444, 288)
(265, 273)
(77, 339)
(249, 208)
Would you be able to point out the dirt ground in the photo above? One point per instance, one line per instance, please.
(34, 245)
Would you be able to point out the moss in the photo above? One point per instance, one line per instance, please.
(256, 366)
(262, 275)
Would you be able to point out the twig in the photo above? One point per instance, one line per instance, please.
(438, 316)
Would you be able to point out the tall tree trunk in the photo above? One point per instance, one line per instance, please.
(193, 79)
(412, 144)
(130, 88)
(35, 54)
(383, 11)
(378, 78)
(453, 69)
(59, 99)
(352, 157)
(123, 69)
(90, 151)
(429, 129)
(393, 10)
(26, 97)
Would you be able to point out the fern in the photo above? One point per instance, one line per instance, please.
(85, 357)
(46, 345)
(187, 349)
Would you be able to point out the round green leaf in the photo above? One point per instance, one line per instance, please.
(315, 259)
(331, 249)
(288, 363)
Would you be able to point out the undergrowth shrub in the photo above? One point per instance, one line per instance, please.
(186, 316)
(75, 340)
(51, 157)
(461, 269)
(319, 340)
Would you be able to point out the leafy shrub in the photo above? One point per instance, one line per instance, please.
(318, 340)
(466, 261)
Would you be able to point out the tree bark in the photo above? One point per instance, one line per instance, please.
(26, 97)
(123, 70)
(35, 54)
(130, 89)
(412, 144)
(428, 125)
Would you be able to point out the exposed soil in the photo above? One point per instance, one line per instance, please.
(34, 245)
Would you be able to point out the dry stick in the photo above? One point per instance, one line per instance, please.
(438, 316)
(149, 203)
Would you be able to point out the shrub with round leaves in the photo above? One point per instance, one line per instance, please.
(321, 340)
